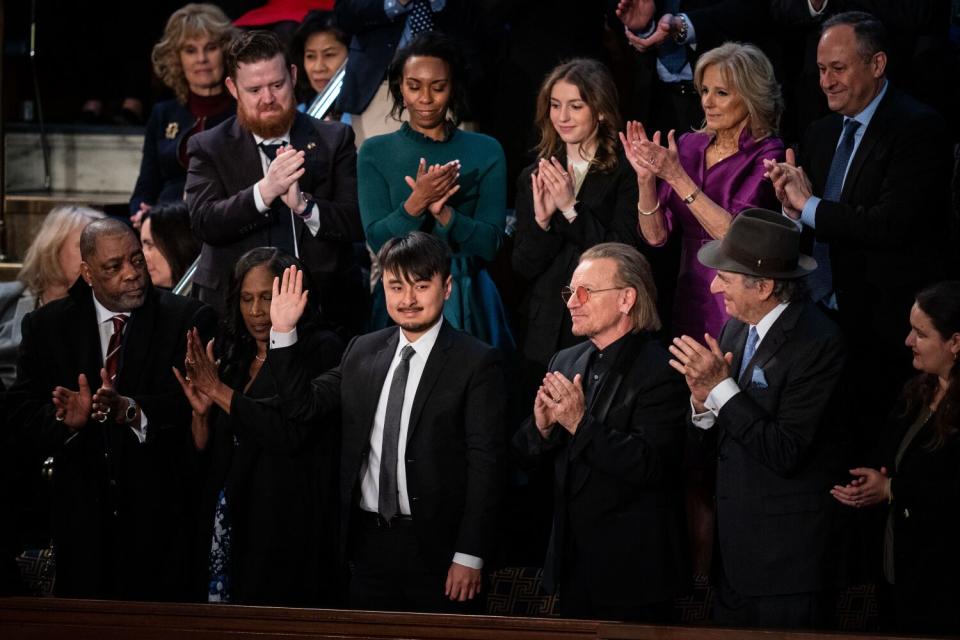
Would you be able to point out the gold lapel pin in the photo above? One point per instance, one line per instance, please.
(172, 130)
(311, 146)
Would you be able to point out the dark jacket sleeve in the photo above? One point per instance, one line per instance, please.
(149, 181)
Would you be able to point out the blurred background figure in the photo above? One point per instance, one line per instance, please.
(266, 535)
(50, 267)
(319, 49)
(169, 246)
(915, 477)
(189, 60)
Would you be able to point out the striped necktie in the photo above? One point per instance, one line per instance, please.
(112, 361)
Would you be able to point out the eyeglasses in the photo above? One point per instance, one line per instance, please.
(583, 293)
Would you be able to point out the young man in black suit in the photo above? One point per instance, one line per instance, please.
(612, 414)
(762, 397)
(272, 176)
(122, 452)
(422, 427)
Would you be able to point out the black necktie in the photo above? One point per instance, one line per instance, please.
(820, 282)
(389, 498)
(270, 150)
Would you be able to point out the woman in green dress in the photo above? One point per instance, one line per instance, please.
(433, 177)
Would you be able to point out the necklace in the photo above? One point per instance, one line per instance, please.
(259, 359)
(722, 154)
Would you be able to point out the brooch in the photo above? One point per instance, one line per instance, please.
(311, 146)
(172, 130)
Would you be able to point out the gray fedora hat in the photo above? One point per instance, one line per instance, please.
(759, 243)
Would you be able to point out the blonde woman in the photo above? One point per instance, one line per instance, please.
(50, 267)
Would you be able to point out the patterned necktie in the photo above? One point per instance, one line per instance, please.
(389, 498)
(112, 361)
(820, 282)
(671, 55)
(748, 350)
(421, 18)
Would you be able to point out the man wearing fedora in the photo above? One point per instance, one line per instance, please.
(762, 396)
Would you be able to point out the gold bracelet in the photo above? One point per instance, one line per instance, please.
(693, 196)
(648, 213)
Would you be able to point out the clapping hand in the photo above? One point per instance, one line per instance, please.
(543, 205)
(107, 402)
(868, 487)
(703, 367)
(565, 400)
(631, 140)
(558, 181)
(199, 401)
(791, 184)
(282, 175)
(432, 187)
(662, 162)
(636, 14)
(73, 407)
(289, 300)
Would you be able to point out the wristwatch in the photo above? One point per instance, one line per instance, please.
(131, 412)
(308, 210)
(681, 35)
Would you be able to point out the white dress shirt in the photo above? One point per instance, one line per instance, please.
(370, 471)
(105, 326)
(728, 387)
(313, 221)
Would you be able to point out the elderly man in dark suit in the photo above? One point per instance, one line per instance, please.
(763, 395)
(123, 451)
(611, 412)
(422, 435)
(874, 191)
(272, 176)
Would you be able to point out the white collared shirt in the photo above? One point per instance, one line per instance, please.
(313, 222)
(728, 387)
(105, 327)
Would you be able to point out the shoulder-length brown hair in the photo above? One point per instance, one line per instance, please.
(194, 20)
(598, 91)
(748, 71)
(941, 303)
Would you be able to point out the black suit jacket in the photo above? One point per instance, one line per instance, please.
(618, 492)
(778, 454)
(224, 167)
(454, 452)
(887, 232)
(280, 498)
(606, 212)
(121, 508)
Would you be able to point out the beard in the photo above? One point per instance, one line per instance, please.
(270, 124)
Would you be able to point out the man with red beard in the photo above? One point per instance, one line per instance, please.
(272, 176)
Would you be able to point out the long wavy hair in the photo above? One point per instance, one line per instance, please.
(597, 89)
(941, 303)
(194, 20)
(236, 347)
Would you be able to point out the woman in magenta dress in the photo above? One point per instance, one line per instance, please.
(697, 184)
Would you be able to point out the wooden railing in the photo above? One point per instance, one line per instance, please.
(34, 618)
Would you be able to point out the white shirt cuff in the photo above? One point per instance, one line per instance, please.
(721, 394)
(703, 420)
(814, 12)
(312, 222)
(262, 206)
(571, 213)
(280, 340)
(467, 560)
(140, 430)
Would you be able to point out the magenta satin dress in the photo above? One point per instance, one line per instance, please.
(735, 183)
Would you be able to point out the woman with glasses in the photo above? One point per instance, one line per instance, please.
(578, 193)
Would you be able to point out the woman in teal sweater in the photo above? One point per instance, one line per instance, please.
(431, 176)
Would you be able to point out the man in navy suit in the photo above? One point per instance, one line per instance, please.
(762, 397)
(422, 409)
(272, 176)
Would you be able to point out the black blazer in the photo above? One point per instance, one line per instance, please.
(121, 509)
(224, 167)
(454, 453)
(280, 498)
(606, 212)
(618, 489)
(778, 454)
(887, 233)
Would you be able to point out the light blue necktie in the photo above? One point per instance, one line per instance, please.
(820, 282)
(749, 349)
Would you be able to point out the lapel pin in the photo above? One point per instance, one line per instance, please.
(311, 146)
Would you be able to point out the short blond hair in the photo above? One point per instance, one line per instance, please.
(41, 265)
(749, 72)
(189, 21)
(634, 272)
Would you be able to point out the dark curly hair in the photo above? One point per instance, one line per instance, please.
(432, 45)
(236, 346)
(941, 303)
